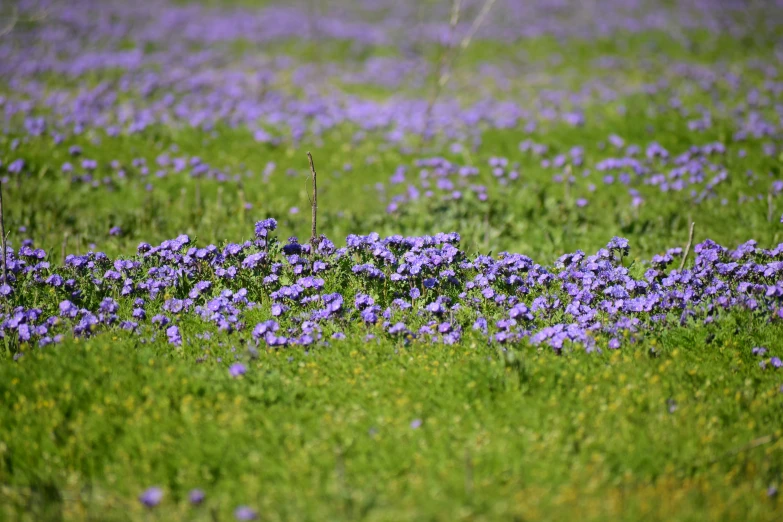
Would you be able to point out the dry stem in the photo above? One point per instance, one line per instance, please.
(313, 204)
(687, 247)
(2, 233)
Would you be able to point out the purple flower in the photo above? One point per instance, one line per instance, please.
(264, 227)
(430, 282)
(196, 496)
(54, 280)
(16, 166)
(151, 497)
(68, 309)
(480, 324)
(776, 362)
(237, 369)
(108, 306)
(435, 308)
(245, 513)
(172, 332)
(159, 319)
(362, 301)
(416, 424)
(758, 350)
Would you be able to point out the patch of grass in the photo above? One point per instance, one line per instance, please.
(682, 424)
(327, 434)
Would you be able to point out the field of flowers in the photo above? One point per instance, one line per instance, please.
(546, 284)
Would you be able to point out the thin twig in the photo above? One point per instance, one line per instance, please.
(443, 73)
(755, 443)
(468, 474)
(339, 468)
(39, 17)
(339, 471)
(466, 40)
(486, 230)
(2, 233)
(687, 247)
(450, 57)
(442, 62)
(770, 207)
(10, 27)
(183, 192)
(455, 10)
(64, 247)
(313, 204)
(198, 195)
(477, 23)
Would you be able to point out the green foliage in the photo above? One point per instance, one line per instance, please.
(326, 434)
(672, 428)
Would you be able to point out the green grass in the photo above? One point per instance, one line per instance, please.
(326, 435)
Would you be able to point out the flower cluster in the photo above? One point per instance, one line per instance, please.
(413, 289)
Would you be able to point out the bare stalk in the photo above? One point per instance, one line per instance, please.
(477, 23)
(242, 202)
(455, 9)
(466, 40)
(486, 230)
(11, 23)
(755, 443)
(468, 473)
(450, 56)
(14, 20)
(64, 247)
(2, 233)
(770, 207)
(198, 195)
(456, 6)
(313, 205)
(339, 469)
(688, 246)
(183, 193)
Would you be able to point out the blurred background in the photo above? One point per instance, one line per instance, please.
(534, 126)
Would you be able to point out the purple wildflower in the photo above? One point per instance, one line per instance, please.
(151, 497)
(237, 369)
(245, 513)
(196, 496)
(172, 332)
